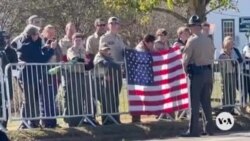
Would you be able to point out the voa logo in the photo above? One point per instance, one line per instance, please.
(225, 121)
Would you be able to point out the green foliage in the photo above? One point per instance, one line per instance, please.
(56, 12)
(196, 6)
(223, 4)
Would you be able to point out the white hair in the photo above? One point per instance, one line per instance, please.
(30, 29)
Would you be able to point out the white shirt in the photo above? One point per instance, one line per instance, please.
(246, 51)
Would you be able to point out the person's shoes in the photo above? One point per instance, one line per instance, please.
(189, 135)
(96, 122)
(92, 120)
(234, 113)
(58, 126)
(23, 126)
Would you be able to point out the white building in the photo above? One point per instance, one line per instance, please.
(231, 22)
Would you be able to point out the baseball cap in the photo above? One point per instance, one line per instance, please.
(99, 21)
(104, 47)
(113, 20)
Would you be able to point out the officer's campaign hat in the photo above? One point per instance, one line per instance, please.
(194, 21)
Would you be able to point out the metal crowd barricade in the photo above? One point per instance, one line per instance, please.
(227, 87)
(245, 80)
(110, 92)
(49, 91)
(65, 90)
(230, 86)
(2, 100)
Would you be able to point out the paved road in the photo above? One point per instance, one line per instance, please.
(226, 137)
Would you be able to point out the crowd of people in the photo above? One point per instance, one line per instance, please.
(104, 50)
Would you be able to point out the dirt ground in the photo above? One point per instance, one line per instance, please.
(123, 132)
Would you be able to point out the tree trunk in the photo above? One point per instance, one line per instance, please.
(198, 7)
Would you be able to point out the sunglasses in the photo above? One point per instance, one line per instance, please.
(101, 25)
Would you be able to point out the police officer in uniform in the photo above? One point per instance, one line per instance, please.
(198, 60)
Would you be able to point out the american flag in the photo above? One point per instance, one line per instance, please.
(156, 82)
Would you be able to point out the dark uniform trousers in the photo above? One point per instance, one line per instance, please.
(200, 91)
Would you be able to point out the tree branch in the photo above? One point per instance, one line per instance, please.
(178, 16)
(217, 7)
(207, 2)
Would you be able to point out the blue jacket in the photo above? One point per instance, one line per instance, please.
(32, 52)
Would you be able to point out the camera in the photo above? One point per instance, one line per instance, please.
(3, 37)
(49, 42)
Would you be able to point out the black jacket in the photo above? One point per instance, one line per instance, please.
(11, 54)
(88, 66)
(32, 52)
(240, 58)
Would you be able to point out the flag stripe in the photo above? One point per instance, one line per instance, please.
(176, 78)
(166, 66)
(158, 87)
(157, 97)
(164, 52)
(164, 106)
(167, 70)
(157, 103)
(168, 76)
(167, 61)
(158, 92)
(158, 112)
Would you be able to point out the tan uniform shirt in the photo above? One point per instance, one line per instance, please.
(116, 45)
(65, 43)
(159, 45)
(92, 44)
(140, 47)
(199, 50)
(76, 52)
(100, 71)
